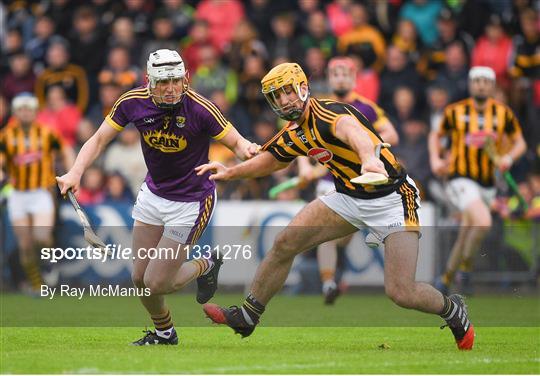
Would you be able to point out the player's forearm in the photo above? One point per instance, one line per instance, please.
(519, 148)
(361, 144)
(389, 134)
(261, 165)
(241, 147)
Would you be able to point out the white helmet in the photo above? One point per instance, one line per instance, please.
(165, 65)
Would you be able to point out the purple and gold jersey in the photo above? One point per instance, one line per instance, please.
(369, 109)
(174, 141)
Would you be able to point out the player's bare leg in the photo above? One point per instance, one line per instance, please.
(327, 257)
(475, 225)
(400, 258)
(313, 225)
(400, 262)
(163, 273)
(22, 228)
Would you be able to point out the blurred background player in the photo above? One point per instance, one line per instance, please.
(342, 80)
(173, 206)
(28, 150)
(466, 167)
(344, 142)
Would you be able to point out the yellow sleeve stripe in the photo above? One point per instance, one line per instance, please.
(276, 136)
(141, 92)
(224, 132)
(113, 123)
(210, 107)
(328, 113)
(324, 115)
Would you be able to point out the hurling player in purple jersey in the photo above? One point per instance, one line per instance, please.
(174, 205)
(342, 79)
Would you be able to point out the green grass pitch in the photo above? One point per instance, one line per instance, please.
(298, 335)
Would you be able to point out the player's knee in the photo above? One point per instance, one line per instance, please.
(138, 279)
(156, 285)
(402, 295)
(285, 246)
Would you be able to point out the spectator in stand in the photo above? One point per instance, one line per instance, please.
(222, 16)
(261, 12)
(363, 39)
(339, 16)
(237, 114)
(162, 36)
(403, 107)
(61, 11)
(87, 41)
(36, 47)
(199, 37)
(318, 35)
(140, 12)
(412, 152)
(92, 189)
(437, 99)
(61, 72)
(181, 15)
(367, 80)
(11, 44)
(20, 79)
(434, 59)
(109, 92)
(407, 40)
(305, 9)
(284, 43)
(212, 75)
(117, 190)
(385, 16)
(494, 50)
(315, 66)
(123, 34)
(525, 69)
(251, 101)
(454, 75)
(120, 70)
(399, 71)
(244, 43)
(60, 115)
(126, 156)
(85, 130)
(424, 15)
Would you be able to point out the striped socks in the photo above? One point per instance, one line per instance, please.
(31, 269)
(252, 310)
(163, 324)
(202, 265)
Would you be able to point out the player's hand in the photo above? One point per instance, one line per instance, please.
(70, 180)
(374, 164)
(218, 171)
(504, 163)
(439, 167)
(252, 150)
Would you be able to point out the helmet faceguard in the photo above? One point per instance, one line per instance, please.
(279, 81)
(166, 66)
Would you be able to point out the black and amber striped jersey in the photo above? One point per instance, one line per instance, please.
(468, 128)
(29, 155)
(315, 137)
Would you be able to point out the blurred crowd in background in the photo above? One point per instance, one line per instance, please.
(413, 58)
